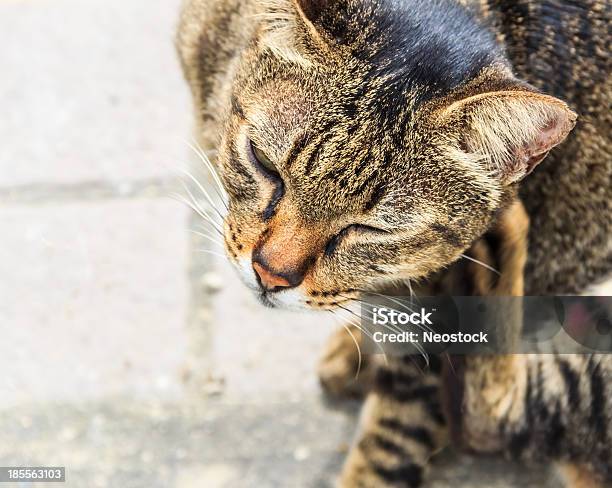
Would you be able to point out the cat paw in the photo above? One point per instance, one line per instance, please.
(339, 371)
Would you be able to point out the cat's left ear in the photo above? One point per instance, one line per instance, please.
(325, 19)
(312, 10)
(511, 132)
(294, 29)
(312, 15)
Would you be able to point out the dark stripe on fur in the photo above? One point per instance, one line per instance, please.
(434, 408)
(417, 434)
(240, 185)
(314, 157)
(387, 380)
(572, 383)
(409, 475)
(298, 146)
(598, 401)
(237, 108)
(419, 393)
(448, 234)
(375, 197)
(270, 210)
(555, 433)
(378, 442)
(519, 440)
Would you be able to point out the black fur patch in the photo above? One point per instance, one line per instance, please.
(375, 197)
(597, 417)
(417, 434)
(269, 211)
(433, 45)
(409, 475)
(572, 383)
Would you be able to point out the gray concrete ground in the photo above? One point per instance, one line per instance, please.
(128, 355)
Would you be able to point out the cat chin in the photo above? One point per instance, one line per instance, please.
(292, 300)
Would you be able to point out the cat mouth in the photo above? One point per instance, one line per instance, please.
(298, 302)
(296, 298)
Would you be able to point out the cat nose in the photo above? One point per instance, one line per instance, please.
(274, 281)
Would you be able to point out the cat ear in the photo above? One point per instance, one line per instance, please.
(295, 28)
(312, 10)
(311, 13)
(511, 131)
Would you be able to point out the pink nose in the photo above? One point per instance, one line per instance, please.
(269, 280)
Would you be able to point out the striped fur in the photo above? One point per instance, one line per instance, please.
(534, 408)
(541, 406)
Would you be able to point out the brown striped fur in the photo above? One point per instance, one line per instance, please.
(534, 408)
(538, 406)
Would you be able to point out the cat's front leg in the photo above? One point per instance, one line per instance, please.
(342, 370)
(401, 427)
(495, 385)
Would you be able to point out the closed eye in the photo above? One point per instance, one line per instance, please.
(369, 228)
(363, 229)
(262, 162)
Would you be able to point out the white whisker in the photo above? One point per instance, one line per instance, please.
(197, 203)
(391, 327)
(206, 236)
(412, 295)
(204, 192)
(357, 346)
(207, 251)
(206, 217)
(484, 265)
(409, 283)
(211, 169)
(209, 164)
(363, 331)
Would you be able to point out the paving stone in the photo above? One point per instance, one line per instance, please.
(90, 91)
(93, 299)
(260, 351)
(218, 445)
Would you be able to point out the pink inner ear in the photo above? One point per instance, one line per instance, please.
(551, 135)
(534, 160)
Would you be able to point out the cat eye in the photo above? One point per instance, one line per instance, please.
(263, 160)
(369, 228)
(335, 241)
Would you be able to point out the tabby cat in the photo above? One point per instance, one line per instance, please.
(369, 142)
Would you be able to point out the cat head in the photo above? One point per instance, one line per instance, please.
(371, 141)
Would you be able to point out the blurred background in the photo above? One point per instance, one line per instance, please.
(127, 355)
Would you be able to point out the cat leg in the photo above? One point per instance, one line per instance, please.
(342, 370)
(401, 427)
(494, 386)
